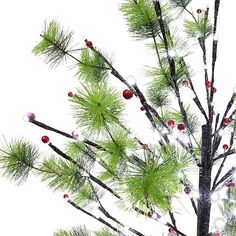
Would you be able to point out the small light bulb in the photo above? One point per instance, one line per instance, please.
(221, 132)
(131, 80)
(215, 196)
(195, 194)
(162, 221)
(234, 174)
(219, 222)
(77, 136)
(215, 37)
(171, 53)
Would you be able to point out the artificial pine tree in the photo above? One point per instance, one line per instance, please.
(104, 156)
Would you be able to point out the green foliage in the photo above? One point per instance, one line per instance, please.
(80, 153)
(17, 158)
(86, 195)
(55, 44)
(192, 119)
(97, 106)
(61, 175)
(200, 28)
(159, 88)
(228, 207)
(152, 184)
(114, 156)
(93, 67)
(83, 231)
(105, 232)
(76, 231)
(175, 43)
(180, 3)
(157, 96)
(141, 18)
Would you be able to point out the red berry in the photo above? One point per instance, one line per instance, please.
(208, 84)
(89, 44)
(226, 121)
(225, 146)
(187, 189)
(199, 11)
(171, 123)
(45, 139)
(180, 127)
(65, 196)
(230, 185)
(127, 94)
(142, 108)
(185, 82)
(31, 116)
(214, 90)
(216, 234)
(150, 213)
(70, 94)
(171, 230)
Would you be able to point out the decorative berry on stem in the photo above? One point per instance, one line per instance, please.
(185, 82)
(150, 214)
(89, 44)
(70, 94)
(214, 90)
(180, 127)
(187, 189)
(45, 139)
(225, 147)
(208, 84)
(142, 108)
(30, 116)
(226, 121)
(171, 230)
(127, 94)
(66, 196)
(171, 123)
(199, 11)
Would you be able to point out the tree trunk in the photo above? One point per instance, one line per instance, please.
(204, 202)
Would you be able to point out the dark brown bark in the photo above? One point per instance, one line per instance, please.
(204, 202)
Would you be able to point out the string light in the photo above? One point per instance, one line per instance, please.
(215, 196)
(221, 132)
(171, 53)
(195, 194)
(215, 37)
(77, 136)
(219, 223)
(131, 80)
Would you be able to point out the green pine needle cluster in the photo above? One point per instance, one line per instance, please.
(141, 18)
(97, 107)
(61, 175)
(154, 184)
(86, 195)
(83, 231)
(93, 67)
(79, 152)
(55, 44)
(200, 28)
(17, 158)
(228, 211)
(76, 231)
(114, 155)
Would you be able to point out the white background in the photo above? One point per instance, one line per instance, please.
(27, 84)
